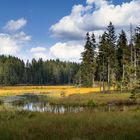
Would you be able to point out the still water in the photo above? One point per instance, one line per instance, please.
(36, 103)
(39, 103)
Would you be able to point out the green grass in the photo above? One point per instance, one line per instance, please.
(84, 99)
(87, 125)
(15, 125)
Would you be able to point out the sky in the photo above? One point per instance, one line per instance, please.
(54, 29)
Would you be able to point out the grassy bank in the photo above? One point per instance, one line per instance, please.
(67, 95)
(81, 126)
(56, 91)
(86, 125)
(84, 99)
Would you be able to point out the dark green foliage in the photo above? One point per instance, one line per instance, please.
(137, 47)
(123, 61)
(88, 66)
(118, 60)
(11, 70)
(102, 57)
(91, 103)
(115, 62)
(111, 55)
(135, 94)
(14, 71)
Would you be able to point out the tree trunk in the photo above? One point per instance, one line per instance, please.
(135, 65)
(103, 80)
(93, 82)
(123, 75)
(108, 75)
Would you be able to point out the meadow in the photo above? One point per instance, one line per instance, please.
(85, 125)
(67, 95)
(15, 125)
(54, 90)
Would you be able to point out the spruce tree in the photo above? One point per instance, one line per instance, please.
(137, 54)
(123, 61)
(111, 55)
(102, 60)
(88, 62)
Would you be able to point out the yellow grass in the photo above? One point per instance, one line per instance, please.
(50, 90)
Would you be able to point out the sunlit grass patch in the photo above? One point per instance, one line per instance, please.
(55, 90)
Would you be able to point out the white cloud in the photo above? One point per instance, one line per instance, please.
(40, 52)
(38, 49)
(68, 26)
(14, 43)
(42, 55)
(21, 36)
(8, 45)
(14, 25)
(98, 3)
(67, 51)
(95, 16)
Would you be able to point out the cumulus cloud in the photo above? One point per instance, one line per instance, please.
(95, 16)
(14, 25)
(8, 45)
(21, 36)
(98, 3)
(13, 43)
(68, 26)
(38, 49)
(42, 55)
(67, 51)
(40, 52)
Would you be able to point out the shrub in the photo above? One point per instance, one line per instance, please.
(135, 94)
(91, 103)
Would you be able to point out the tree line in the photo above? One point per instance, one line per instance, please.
(114, 61)
(51, 72)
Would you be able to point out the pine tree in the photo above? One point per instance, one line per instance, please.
(137, 54)
(88, 62)
(111, 54)
(93, 43)
(123, 61)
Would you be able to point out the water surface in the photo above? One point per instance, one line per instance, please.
(39, 103)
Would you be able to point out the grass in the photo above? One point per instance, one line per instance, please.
(67, 95)
(83, 99)
(23, 125)
(86, 125)
(54, 90)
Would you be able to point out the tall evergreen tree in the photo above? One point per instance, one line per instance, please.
(123, 56)
(51, 72)
(88, 62)
(111, 54)
(137, 55)
(102, 60)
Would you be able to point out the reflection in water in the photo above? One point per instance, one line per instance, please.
(37, 103)
(51, 108)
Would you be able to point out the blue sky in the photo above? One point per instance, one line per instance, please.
(55, 28)
(40, 14)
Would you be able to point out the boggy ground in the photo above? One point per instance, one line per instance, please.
(67, 95)
(23, 125)
(86, 125)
